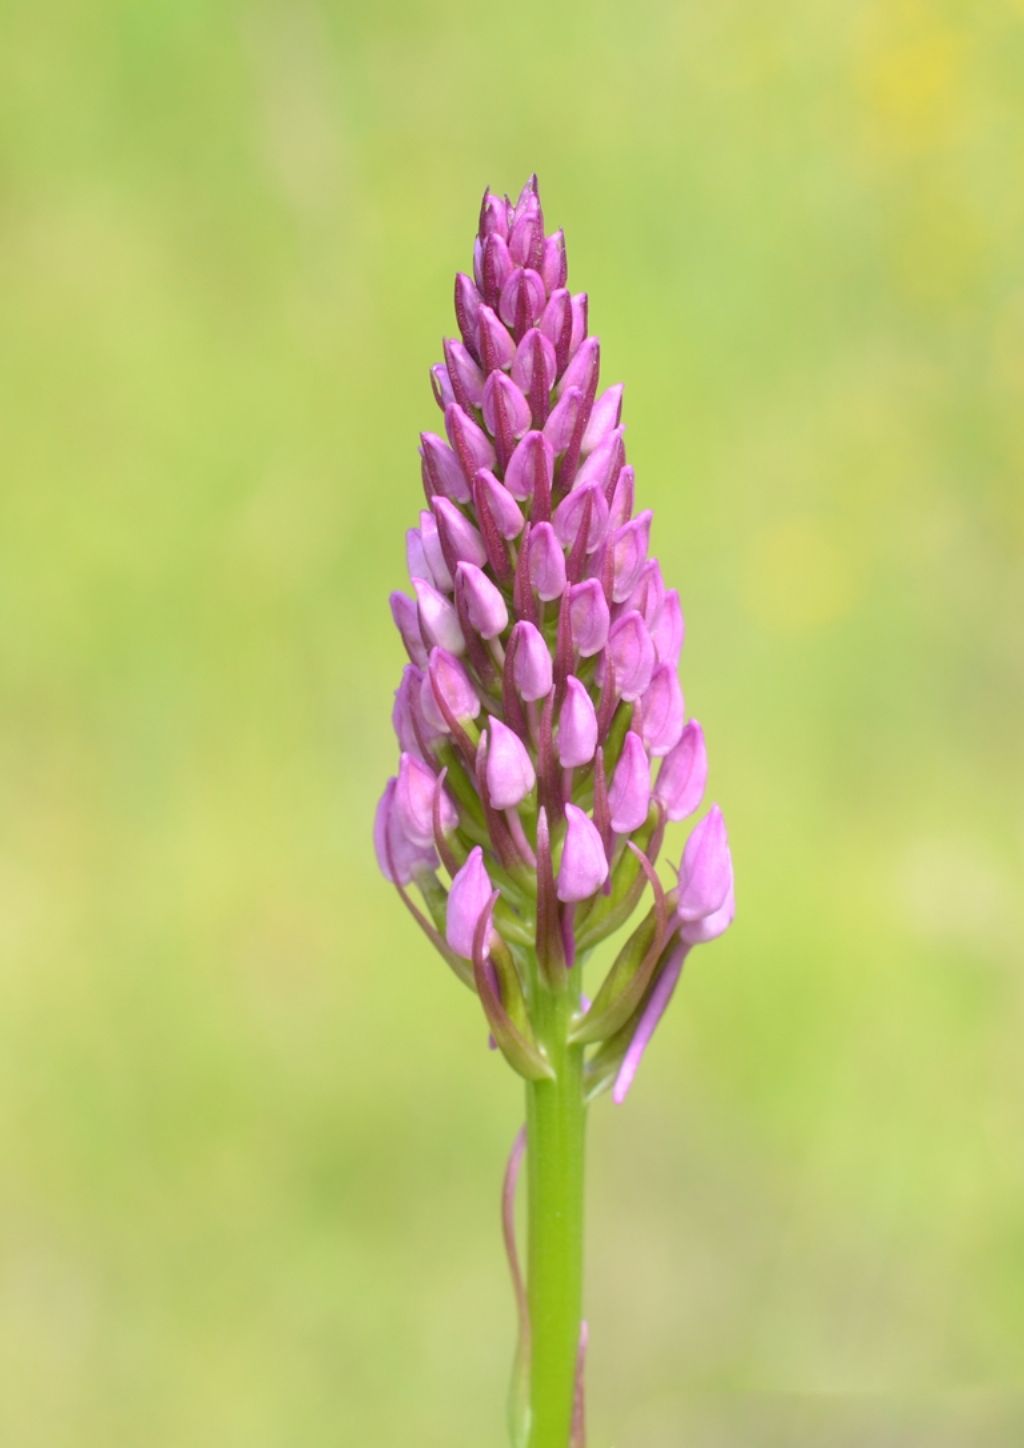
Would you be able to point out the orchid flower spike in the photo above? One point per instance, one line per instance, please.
(542, 738)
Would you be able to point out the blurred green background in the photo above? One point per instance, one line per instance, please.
(250, 1138)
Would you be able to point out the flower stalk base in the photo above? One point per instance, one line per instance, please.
(555, 1128)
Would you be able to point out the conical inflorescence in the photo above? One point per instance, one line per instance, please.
(543, 739)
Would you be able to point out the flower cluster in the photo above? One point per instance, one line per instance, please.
(542, 729)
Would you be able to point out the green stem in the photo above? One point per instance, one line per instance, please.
(555, 1121)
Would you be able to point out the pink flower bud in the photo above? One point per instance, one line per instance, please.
(532, 463)
(510, 772)
(467, 312)
(562, 420)
(414, 802)
(437, 567)
(493, 215)
(531, 188)
(631, 654)
(577, 726)
(683, 774)
(569, 515)
(470, 444)
(578, 309)
(531, 668)
(648, 592)
(598, 466)
(553, 266)
(583, 369)
(705, 873)
(415, 558)
(604, 416)
(465, 378)
(526, 239)
(447, 681)
(492, 265)
(547, 563)
(439, 623)
(399, 859)
(662, 711)
(441, 385)
(407, 621)
(459, 540)
(629, 554)
(584, 866)
(621, 508)
(403, 720)
(484, 603)
(441, 470)
(588, 617)
(629, 795)
(668, 629)
(534, 359)
(468, 897)
(501, 392)
(496, 346)
(522, 299)
(556, 320)
(502, 506)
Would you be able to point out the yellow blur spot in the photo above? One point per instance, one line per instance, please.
(798, 579)
(912, 78)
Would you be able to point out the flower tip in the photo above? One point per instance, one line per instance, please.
(705, 871)
(546, 562)
(683, 775)
(584, 866)
(631, 654)
(629, 797)
(589, 617)
(485, 607)
(448, 694)
(439, 622)
(532, 671)
(399, 857)
(662, 711)
(413, 802)
(468, 898)
(406, 617)
(510, 772)
(577, 726)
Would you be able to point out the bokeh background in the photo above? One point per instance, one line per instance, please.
(250, 1138)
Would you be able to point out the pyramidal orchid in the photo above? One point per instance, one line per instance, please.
(543, 749)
